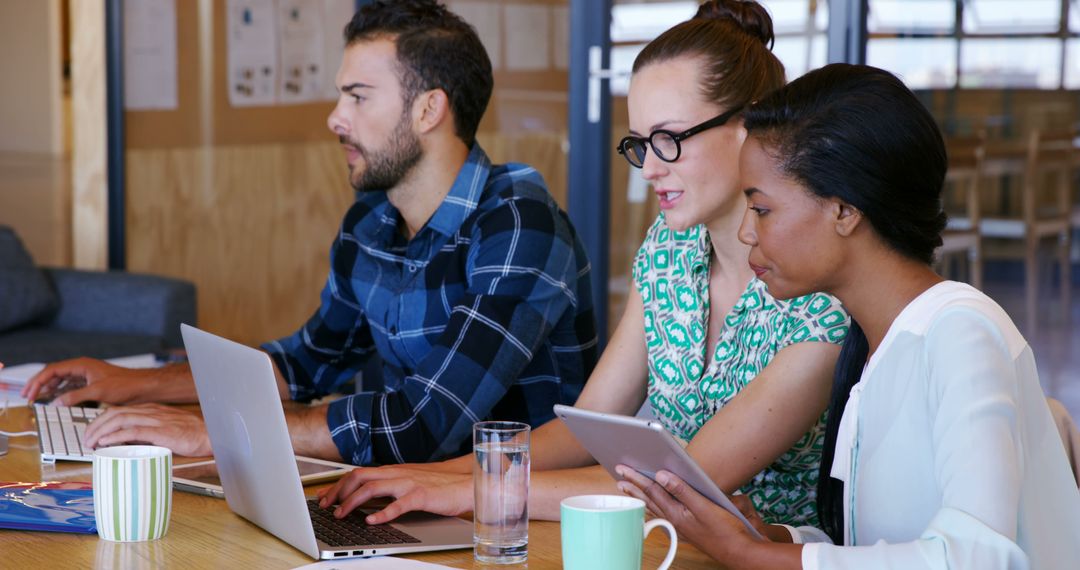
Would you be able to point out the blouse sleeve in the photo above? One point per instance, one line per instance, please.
(972, 394)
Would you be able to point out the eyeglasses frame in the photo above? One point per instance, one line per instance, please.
(716, 121)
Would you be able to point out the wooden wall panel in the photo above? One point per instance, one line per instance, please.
(250, 225)
(89, 168)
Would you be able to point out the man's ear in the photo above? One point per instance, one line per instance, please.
(848, 217)
(431, 109)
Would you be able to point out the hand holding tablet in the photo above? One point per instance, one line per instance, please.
(644, 446)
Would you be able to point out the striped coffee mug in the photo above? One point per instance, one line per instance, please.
(132, 492)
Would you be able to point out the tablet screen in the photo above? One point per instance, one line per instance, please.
(206, 472)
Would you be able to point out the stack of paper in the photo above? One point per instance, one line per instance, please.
(13, 378)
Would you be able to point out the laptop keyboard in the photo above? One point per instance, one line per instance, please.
(60, 432)
(352, 530)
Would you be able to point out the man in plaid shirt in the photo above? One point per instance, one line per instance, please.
(464, 277)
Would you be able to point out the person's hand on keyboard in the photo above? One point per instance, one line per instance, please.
(413, 490)
(179, 430)
(72, 382)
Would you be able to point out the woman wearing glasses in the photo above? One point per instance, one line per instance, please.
(742, 377)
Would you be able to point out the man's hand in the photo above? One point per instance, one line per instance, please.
(414, 490)
(102, 382)
(179, 430)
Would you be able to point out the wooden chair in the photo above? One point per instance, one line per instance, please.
(961, 235)
(1043, 165)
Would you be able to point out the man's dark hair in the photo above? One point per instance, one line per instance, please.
(436, 49)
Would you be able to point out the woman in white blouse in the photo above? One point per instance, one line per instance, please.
(940, 446)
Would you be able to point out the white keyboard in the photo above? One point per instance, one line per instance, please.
(60, 432)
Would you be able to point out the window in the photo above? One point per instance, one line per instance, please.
(1012, 17)
(977, 43)
(924, 63)
(900, 16)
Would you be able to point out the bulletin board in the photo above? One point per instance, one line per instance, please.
(204, 115)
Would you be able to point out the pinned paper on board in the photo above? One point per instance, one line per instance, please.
(336, 14)
(251, 42)
(300, 26)
(149, 45)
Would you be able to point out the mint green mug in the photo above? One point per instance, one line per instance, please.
(605, 532)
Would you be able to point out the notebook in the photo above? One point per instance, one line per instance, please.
(50, 506)
(238, 393)
(60, 432)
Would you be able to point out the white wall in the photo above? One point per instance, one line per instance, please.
(31, 117)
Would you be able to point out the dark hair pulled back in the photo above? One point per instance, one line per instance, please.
(856, 133)
(733, 38)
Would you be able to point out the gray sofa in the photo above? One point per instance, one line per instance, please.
(53, 314)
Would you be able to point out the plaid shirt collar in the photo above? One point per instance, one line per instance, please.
(456, 207)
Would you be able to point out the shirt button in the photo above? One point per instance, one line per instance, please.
(412, 268)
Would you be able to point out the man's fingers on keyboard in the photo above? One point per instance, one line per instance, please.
(392, 511)
(364, 494)
(89, 393)
(130, 435)
(115, 419)
(42, 389)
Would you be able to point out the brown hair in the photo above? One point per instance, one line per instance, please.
(734, 39)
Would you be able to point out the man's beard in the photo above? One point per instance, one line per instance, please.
(385, 168)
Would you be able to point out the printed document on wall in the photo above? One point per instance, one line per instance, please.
(150, 55)
(252, 45)
(336, 14)
(301, 32)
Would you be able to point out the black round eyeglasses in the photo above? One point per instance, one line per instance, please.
(666, 144)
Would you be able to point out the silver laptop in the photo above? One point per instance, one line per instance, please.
(246, 423)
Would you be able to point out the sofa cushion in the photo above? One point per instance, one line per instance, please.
(26, 296)
(42, 344)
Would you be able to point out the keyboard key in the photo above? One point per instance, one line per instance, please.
(352, 530)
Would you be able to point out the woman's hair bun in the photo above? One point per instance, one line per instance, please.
(748, 15)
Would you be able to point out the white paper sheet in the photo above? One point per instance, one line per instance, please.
(150, 55)
(13, 378)
(300, 35)
(336, 14)
(375, 563)
(251, 42)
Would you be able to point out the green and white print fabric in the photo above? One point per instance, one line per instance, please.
(671, 271)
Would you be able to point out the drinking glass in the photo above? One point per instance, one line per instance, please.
(501, 492)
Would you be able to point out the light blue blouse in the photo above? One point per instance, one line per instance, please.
(953, 460)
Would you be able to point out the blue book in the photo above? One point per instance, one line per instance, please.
(48, 506)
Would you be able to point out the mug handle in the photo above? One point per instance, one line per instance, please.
(672, 547)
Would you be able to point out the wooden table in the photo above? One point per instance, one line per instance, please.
(204, 533)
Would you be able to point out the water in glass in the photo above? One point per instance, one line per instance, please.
(501, 486)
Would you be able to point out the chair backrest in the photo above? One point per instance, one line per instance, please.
(963, 176)
(1054, 170)
(1031, 161)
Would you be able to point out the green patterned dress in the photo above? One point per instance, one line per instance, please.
(671, 271)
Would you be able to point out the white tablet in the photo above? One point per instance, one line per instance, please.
(644, 446)
(202, 476)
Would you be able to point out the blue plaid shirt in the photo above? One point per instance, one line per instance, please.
(485, 314)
